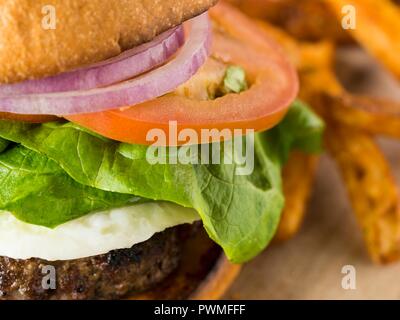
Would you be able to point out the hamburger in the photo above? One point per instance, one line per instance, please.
(132, 134)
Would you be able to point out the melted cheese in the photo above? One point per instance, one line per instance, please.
(91, 235)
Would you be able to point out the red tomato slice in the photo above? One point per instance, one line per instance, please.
(237, 41)
(33, 118)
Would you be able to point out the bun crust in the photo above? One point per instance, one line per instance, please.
(86, 31)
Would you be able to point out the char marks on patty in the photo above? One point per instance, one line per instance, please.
(108, 276)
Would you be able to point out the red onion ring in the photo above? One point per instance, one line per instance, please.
(143, 88)
(120, 68)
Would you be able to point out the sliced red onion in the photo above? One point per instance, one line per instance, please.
(120, 68)
(140, 89)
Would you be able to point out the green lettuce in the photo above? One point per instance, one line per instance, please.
(74, 172)
(33, 186)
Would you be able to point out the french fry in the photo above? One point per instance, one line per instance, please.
(377, 28)
(368, 179)
(307, 20)
(373, 192)
(318, 82)
(369, 114)
(298, 178)
(350, 122)
(316, 71)
(365, 171)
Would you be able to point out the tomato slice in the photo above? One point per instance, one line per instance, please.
(237, 41)
(33, 118)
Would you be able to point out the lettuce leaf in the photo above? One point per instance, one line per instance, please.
(301, 129)
(240, 213)
(34, 186)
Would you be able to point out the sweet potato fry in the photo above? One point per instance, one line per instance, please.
(298, 178)
(320, 87)
(377, 30)
(366, 173)
(350, 121)
(369, 114)
(316, 71)
(310, 20)
(373, 193)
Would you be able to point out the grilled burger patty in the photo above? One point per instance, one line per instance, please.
(106, 276)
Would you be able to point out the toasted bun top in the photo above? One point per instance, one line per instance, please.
(86, 31)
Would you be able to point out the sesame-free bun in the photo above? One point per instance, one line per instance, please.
(86, 31)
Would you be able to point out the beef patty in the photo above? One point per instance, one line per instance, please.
(106, 276)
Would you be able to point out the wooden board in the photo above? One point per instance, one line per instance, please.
(309, 266)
